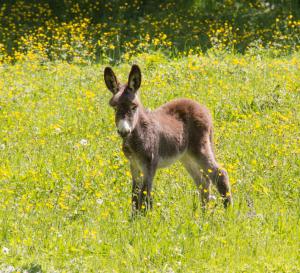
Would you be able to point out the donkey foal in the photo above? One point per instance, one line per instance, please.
(178, 130)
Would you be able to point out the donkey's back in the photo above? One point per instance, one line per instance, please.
(187, 111)
(185, 122)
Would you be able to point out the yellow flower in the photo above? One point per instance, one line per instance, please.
(90, 94)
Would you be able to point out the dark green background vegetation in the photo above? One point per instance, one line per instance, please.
(187, 24)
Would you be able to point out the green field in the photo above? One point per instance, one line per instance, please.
(65, 187)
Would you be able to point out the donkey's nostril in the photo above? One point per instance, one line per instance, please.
(123, 133)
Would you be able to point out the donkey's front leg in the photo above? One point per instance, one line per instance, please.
(145, 197)
(136, 186)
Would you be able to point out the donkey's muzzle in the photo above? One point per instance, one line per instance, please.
(123, 133)
(124, 127)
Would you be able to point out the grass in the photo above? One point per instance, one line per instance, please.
(65, 184)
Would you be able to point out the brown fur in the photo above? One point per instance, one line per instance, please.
(178, 130)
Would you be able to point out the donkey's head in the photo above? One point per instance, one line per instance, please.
(124, 101)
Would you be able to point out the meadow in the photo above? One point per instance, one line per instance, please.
(65, 185)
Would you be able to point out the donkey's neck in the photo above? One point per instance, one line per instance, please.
(143, 121)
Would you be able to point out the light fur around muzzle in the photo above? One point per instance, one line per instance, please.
(124, 127)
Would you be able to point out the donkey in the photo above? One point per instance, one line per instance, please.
(178, 130)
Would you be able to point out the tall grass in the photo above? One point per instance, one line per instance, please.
(65, 184)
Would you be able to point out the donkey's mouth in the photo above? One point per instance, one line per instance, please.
(124, 133)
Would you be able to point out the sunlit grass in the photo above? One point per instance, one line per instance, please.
(65, 184)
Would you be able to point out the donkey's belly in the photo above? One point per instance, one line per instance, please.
(164, 162)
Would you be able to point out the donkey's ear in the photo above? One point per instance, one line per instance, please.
(111, 80)
(135, 78)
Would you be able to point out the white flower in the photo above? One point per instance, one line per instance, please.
(99, 201)
(57, 130)
(7, 269)
(83, 142)
(5, 250)
(2, 146)
(10, 269)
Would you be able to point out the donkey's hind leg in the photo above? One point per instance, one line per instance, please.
(212, 170)
(203, 184)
